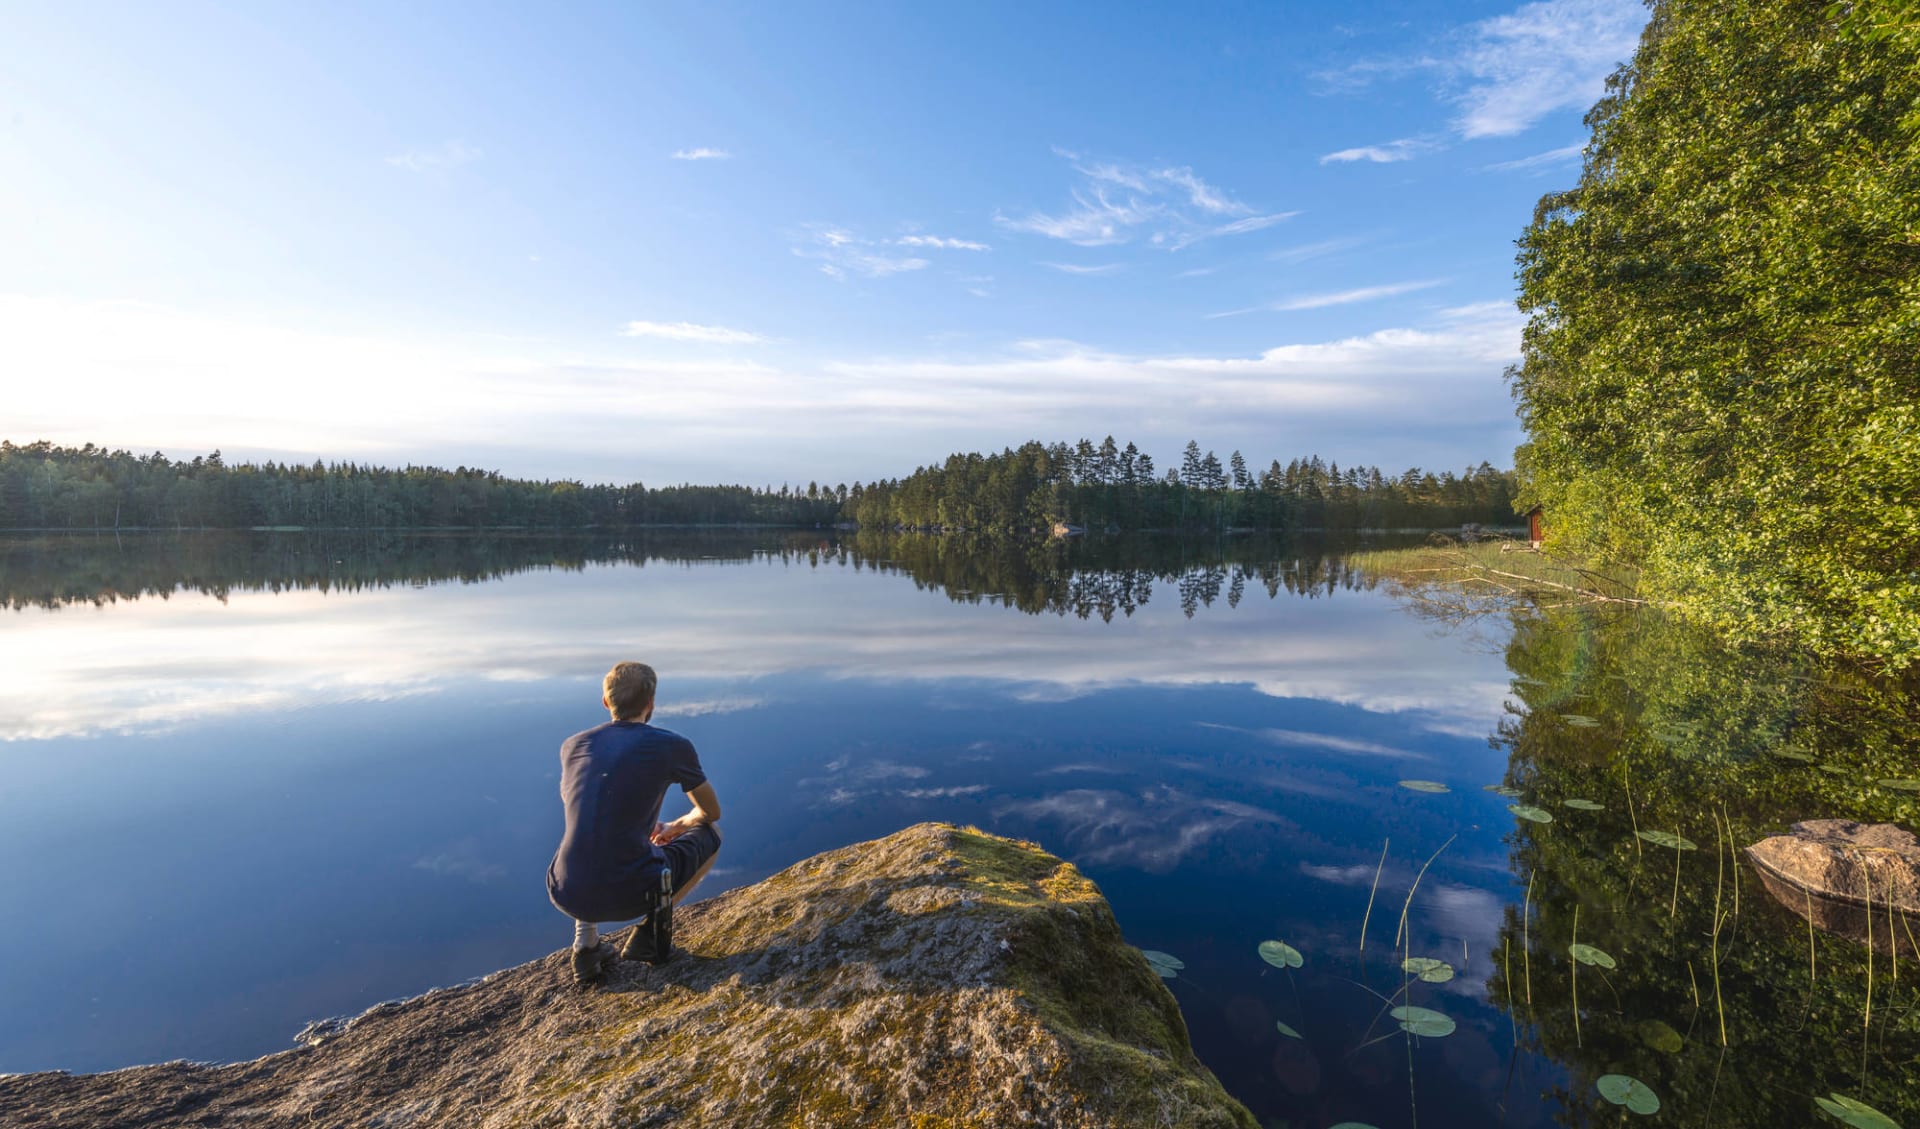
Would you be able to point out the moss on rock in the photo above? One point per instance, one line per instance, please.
(939, 977)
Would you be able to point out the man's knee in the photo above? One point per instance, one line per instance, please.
(717, 837)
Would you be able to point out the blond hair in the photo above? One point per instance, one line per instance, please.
(628, 689)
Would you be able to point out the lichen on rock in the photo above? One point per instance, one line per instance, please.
(937, 977)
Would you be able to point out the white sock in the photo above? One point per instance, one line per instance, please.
(585, 935)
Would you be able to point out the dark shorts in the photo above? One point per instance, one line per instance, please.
(627, 901)
(687, 854)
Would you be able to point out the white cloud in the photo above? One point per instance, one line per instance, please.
(1404, 149)
(1336, 743)
(1116, 203)
(1341, 297)
(1542, 57)
(1508, 72)
(1076, 268)
(1316, 250)
(688, 331)
(942, 243)
(841, 254)
(1541, 160)
(187, 382)
(701, 154)
(446, 155)
(1201, 194)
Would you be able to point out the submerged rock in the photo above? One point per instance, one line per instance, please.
(1857, 880)
(936, 977)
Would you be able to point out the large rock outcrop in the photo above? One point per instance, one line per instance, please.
(937, 977)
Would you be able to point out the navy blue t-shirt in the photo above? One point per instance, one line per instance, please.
(613, 778)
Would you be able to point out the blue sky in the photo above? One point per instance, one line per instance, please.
(778, 242)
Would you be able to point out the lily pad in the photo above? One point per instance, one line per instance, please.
(1857, 1114)
(1621, 1089)
(1902, 785)
(1531, 813)
(1430, 969)
(1424, 1022)
(1580, 720)
(1155, 956)
(1287, 1031)
(1587, 954)
(1790, 755)
(1578, 804)
(1501, 790)
(1667, 839)
(1424, 786)
(1279, 954)
(1660, 1037)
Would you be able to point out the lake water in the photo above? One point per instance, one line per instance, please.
(255, 780)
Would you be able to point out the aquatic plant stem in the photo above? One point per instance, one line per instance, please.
(1733, 857)
(1808, 891)
(1370, 894)
(1866, 1022)
(1574, 965)
(1626, 780)
(1674, 907)
(1526, 937)
(1720, 866)
(1408, 904)
(1512, 1024)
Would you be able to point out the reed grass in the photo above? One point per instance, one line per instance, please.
(1371, 892)
(1720, 867)
(1574, 963)
(1526, 937)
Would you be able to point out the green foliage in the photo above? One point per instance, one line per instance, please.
(43, 486)
(1651, 901)
(1104, 485)
(1721, 374)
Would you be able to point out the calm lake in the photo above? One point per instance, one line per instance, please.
(254, 780)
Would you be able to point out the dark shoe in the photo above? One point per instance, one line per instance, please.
(640, 944)
(590, 965)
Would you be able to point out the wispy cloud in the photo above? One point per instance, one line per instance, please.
(1404, 149)
(701, 154)
(1076, 268)
(1339, 297)
(1508, 72)
(1317, 250)
(842, 254)
(1116, 202)
(1546, 56)
(688, 331)
(941, 243)
(446, 155)
(1542, 160)
(1337, 744)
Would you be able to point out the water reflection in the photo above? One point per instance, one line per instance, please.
(304, 773)
(303, 621)
(1723, 1000)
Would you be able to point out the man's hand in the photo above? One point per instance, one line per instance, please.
(664, 833)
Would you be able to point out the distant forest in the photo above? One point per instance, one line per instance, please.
(1031, 488)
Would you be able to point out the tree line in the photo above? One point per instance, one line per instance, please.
(43, 486)
(1029, 488)
(1106, 486)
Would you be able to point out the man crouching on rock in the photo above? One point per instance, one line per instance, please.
(616, 860)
